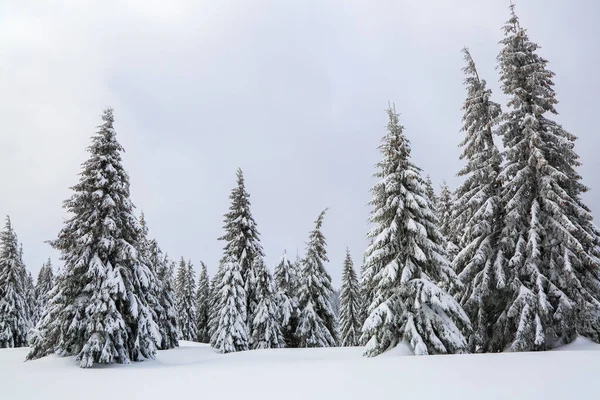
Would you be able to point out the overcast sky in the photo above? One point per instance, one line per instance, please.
(293, 92)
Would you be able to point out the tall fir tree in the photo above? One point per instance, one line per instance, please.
(214, 303)
(31, 301)
(159, 294)
(548, 236)
(242, 238)
(287, 299)
(445, 207)
(406, 260)
(431, 194)
(478, 211)
(98, 309)
(45, 282)
(231, 331)
(14, 309)
(203, 305)
(350, 305)
(265, 327)
(316, 320)
(366, 295)
(167, 315)
(186, 305)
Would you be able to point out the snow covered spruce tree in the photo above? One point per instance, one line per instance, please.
(316, 321)
(548, 235)
(445, 207)
(45, 282)
(97, 310)
(287, 299)
(213, 305)
(366, 296)
(202, 305)
(242, 239)
(160, 294)
(265, 331)
(167, 316)
(478, 212)
(406, 261)
(231, 331)
(30, 300)
(14, 310)
(186, 306)
(431, 194)
(350, 305)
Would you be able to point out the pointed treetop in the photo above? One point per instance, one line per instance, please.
(108, 115)
(319, 221)
(470, 68)
(240, 177)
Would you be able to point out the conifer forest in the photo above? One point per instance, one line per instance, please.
(506, 261)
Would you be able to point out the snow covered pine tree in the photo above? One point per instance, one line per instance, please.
(14, 310)
(98, 310)
(548, 234)
(478, 212)
(186, 307)
(213, 305)
(265, 326)
(167, 314)
(350, 305)
(160, 294)
(243, 242)
(406, 260)
(202, 305)
(445, 207)
(45, 282)
(287, 299)
(316, 321)
(231, 331)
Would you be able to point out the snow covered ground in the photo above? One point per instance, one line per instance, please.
(194, 371)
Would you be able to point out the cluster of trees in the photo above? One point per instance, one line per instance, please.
(513, 262)
(510, 260)
(21, 303)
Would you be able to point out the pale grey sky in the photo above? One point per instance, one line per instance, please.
(293, 92)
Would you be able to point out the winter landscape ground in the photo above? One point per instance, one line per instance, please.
(570, 372)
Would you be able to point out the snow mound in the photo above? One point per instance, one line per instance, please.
(579, 344)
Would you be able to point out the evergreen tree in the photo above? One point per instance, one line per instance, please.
(366, 296)
(98, 309)
(45, 282)
(231, 332)
(14, 310)
(406, 260)
(160, 300)
(213, 307)
(431, 194)
(242, 238)
(265, 326)
(186, 307)
(478, 211)
(316, 325)
(30, 301)
(167, 312)
(548, 236)
(350, 305)
(202, 305)
(445, 207)
(287, 299)
(296, 275)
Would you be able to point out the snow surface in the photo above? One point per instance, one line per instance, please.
(196, 371)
